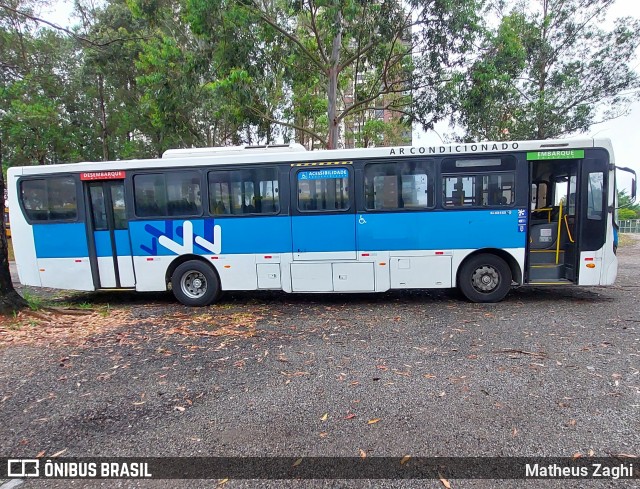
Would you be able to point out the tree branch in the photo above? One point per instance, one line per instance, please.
(289, 36)
(67, 31)
(314, 29)
(288, 124)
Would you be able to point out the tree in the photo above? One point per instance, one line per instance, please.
(626, 208)
(10, 300)
(549, 70)
(339, 56)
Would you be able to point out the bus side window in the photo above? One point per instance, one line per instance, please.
(595, 201)
(323, 190)
(248, 191)
(51, 199)
(398, 185)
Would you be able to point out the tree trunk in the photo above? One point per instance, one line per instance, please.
(103, 120)
(332, 91)
(10, 300)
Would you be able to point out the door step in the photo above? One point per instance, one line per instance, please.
(545, 257)
(543, 273)
(560, 281)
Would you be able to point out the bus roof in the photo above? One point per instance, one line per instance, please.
(294, 154)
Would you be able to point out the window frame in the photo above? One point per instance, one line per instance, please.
(478, 175)
(46, 178)
(350, 185)
(449, 168)
(229, 170)
(431, 185)
(166, 174)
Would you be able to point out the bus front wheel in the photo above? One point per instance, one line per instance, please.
(195, 283)
(485, 278)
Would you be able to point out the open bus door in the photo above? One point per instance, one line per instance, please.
(568, 215)
(108, 230)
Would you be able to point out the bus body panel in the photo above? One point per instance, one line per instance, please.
(24, 248)
(66, 273)
(61, 240)
(312, 234)
(609, 269)
(63, 256)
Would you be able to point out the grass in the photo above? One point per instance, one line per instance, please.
(33, 301)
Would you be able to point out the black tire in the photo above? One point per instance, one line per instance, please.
(485, 278)
(195, 283)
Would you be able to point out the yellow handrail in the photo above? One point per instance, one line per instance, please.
(566, 225)
(548, 210)
(558, 237)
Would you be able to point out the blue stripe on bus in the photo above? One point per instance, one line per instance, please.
(440, 230)
(239, 235)
(381, 232)
(60, 240)
(103, 243)
(317, 233)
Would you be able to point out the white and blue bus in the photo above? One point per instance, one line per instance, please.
(483, 217)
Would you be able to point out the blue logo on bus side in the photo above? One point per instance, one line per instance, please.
(184, 240)
(522, 220)
(324, 173)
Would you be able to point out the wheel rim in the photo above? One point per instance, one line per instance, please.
(193, 284)
(485, 279)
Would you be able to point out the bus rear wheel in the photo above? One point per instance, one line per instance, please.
(195, 283)
(485, 278)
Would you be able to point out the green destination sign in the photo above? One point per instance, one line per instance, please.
(563, 154)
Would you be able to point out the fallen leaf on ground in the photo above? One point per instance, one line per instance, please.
(57, 454)
(373, 421)
(324, 416)
(445, 482)
(405, 459)
(297, 462)
(363, 454)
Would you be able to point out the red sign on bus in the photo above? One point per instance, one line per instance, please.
(102, 175)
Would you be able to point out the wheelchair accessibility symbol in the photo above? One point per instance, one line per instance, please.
(362, 220)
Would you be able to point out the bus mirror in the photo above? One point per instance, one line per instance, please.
(633, 181)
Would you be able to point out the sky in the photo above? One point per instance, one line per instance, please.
(624, 132)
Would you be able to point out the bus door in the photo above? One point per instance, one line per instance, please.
(109, 243)
(323, 223)
(555, 217)
(568, 214)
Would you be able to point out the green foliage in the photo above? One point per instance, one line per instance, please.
(315, 64)
(627, 209)
(548, 70)
(627, 214)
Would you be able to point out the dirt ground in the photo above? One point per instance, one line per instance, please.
(547, 372)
